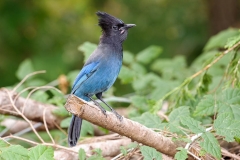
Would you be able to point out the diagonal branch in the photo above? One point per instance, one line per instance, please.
(126, 127)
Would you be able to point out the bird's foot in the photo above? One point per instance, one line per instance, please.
(101, 108)
(117, 115)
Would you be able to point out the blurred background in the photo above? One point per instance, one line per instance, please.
(49, 32)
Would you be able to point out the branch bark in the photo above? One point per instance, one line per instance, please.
(33, 110)
(89, 146)
(126, 127)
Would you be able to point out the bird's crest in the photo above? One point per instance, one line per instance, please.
(107, 21)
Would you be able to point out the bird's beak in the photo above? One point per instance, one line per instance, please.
(129, 25)
(126, 27)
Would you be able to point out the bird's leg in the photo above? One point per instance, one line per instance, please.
(99, 96)
(97, 104)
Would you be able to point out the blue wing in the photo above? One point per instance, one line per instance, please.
(84, 74)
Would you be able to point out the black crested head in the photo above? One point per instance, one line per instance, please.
(106, 21)
(113, 27)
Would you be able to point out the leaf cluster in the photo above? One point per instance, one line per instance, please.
(39, 152)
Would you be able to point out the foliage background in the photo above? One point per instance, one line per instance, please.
(50, 31)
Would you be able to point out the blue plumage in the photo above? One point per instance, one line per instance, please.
(101, 69)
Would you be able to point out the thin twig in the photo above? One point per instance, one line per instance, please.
(228, 154)
(25, 78)
(46, 127)
(28, 129)
(9, 111)
(22, 115)
(215, 60)
(20, 138)
(47, 144)
(60, 147)
(235, 73)
(35, 89)
(58, 127)
(121, 154)
(3, 139)
(193, 155)
(21, 92)
(196, 137)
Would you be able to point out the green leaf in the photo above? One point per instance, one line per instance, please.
(58, 101)
(24, 69)
(219, 40)
(81, 154)
(231, 96)
(149, 54)
(61, 112)
(149, 120)
(40, 96)
(226, 126)
(126, 75)
(14, 152)
(145, 83)
(123, 150)
(97, 156)
(41, 152)
(2, 127)
(3, 144)
(204, 59)
(181, 154)
(132, 145)
(65, 122)
(211, 145)
(98, 151)
(229, 102)
(234, 110)
(206, 106)
(150, 153)
(203, 85)
(192, 124)
(87, 48)
(176, 114)
(232, 41)
(138, 68)
(161, 87)
(140, 102)
(87, 128)
(128, 57)
(171, 69)
(175, 117)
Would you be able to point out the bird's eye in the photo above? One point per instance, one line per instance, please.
(115, 27)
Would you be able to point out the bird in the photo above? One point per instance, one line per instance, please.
(100, 70)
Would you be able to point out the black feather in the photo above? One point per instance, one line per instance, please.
(106, 21)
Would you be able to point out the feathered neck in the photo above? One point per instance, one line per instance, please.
(110, 40)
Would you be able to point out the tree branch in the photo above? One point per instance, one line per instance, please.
(126, 127)
(33, 110)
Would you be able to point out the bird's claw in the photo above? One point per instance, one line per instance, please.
(102, 109)
(118, 115)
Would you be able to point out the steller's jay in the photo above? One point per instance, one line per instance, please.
(101, 69)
